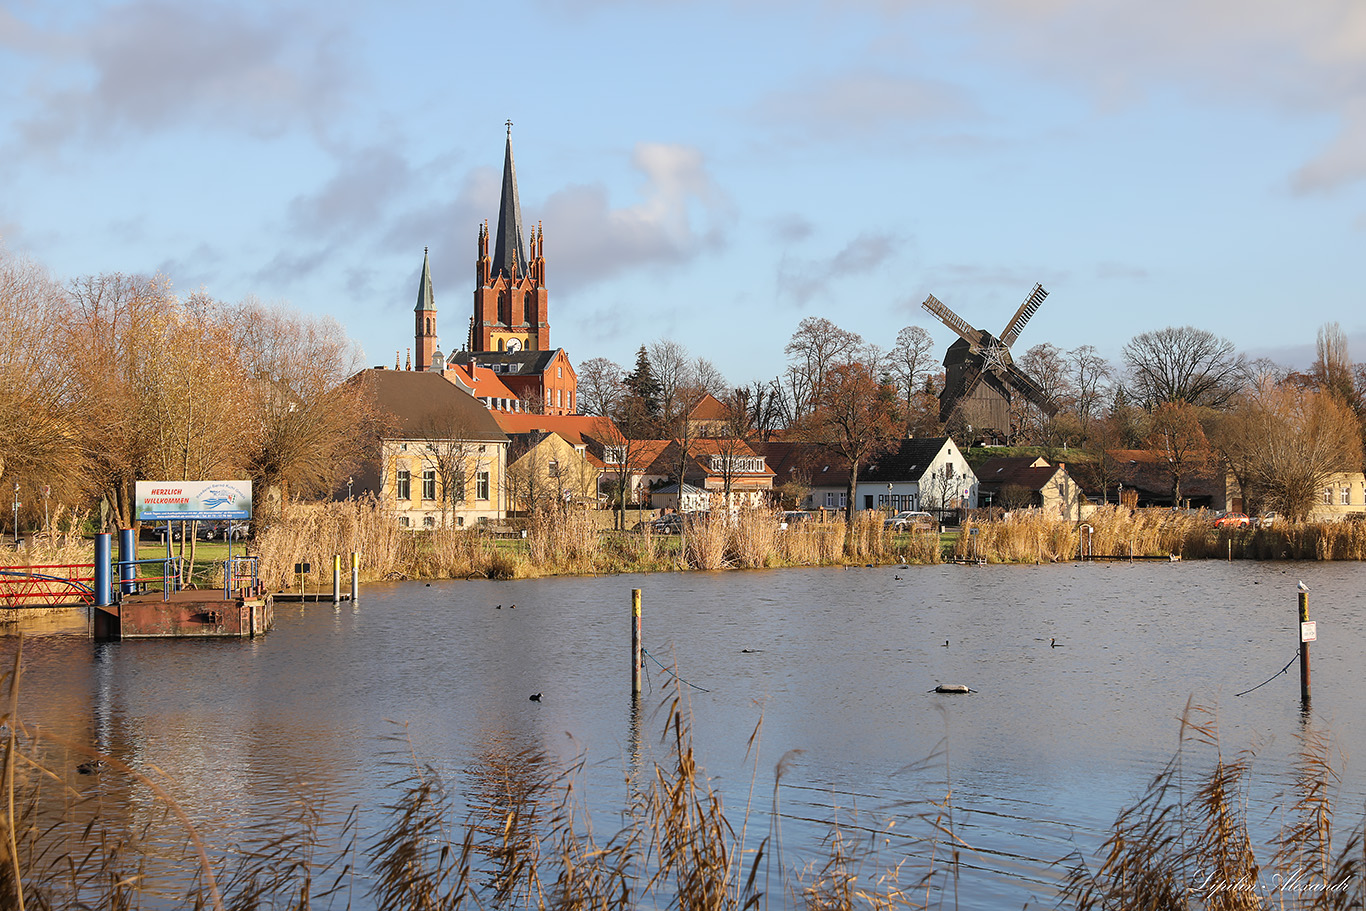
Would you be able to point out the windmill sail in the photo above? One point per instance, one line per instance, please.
(1027, 309)
(952, 320)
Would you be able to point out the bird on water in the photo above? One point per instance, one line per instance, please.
(535, 697)
(1053, 643)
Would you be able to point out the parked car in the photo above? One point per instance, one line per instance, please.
(793, 516)
(1232, 520)
(219, 530)
(670, 524)
(1266, 520)
(909, 519)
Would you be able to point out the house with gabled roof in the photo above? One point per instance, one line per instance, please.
(442, 458)
(1033, 482)
(924, 473)
(574, 457)
(709, 417)
(728, 469)
(809, 475)
(544, 381)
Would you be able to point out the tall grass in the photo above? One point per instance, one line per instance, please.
(1028, 536)
(523, 839)
(1187, 842)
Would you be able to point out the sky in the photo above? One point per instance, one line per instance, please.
(712, 172)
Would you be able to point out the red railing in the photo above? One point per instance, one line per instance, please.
(49, 585)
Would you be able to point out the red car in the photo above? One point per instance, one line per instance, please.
(1232, 520)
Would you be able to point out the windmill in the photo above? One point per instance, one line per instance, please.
(980, 376)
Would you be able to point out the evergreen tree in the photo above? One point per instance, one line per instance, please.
(642, 384)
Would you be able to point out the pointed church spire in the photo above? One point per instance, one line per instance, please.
(425, 299)
(508, 258)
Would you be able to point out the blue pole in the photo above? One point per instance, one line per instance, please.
(127, 554)
(102, 569)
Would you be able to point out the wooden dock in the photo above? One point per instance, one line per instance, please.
(184, 615)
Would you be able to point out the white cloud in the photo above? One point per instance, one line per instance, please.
(678, 217)
(802, 280)
(157, 64)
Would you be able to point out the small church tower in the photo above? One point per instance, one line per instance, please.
(510, 298)
(424, 315)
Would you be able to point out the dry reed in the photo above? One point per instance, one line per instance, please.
(1186, 843)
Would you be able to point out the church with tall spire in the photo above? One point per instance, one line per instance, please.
(509, 331)
(510, 298)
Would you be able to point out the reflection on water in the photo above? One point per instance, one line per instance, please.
(837, 663)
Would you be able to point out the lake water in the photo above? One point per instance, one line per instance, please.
(838, 663)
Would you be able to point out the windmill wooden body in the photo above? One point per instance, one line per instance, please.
(980, 376)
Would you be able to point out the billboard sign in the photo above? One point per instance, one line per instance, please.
(158, 501)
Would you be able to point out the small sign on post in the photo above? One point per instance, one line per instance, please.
(1309, 631)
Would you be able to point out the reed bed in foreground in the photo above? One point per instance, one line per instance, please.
(522, 839)
(1187, 843)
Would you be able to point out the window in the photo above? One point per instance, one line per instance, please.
(404, 484)
(429, 522)
(553, 469)
(481, 485)
(429, 484)
(614, 455)
(829, 500)
(1328, 496)
(402, 521)
(1346, 496)
(529, 308)
(560, 371)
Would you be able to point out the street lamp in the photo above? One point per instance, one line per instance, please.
(348, 487)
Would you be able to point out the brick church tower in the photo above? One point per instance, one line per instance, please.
(510, 298)
(424, 320)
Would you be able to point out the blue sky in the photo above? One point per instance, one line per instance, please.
(710, 172)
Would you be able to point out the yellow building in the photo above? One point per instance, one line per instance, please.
(442, 459)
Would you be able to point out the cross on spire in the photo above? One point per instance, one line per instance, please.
(509, 129)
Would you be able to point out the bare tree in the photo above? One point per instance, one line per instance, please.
(110, 319)
(709, 378)
(1332, 369)
(1088, 375)
(817, 347)
(312, 425)
(1296, 440)
(672, 371)
(853, 419)
(1174, 431)
(39, 407)
(1047, 366)
(911, 363)
(1184, 365)
(599, 385)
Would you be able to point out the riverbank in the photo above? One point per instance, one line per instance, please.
(574, 543)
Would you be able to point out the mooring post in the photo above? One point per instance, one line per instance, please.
(355, 576)
(336, 578)
(102, 575)
(1305, 635)
(127, 554)
(635, 642)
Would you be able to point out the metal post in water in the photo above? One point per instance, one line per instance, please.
(127, 554)
(102, 580)
(355, 576)
(1304, 644)
(635, 642)
(336, 578)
